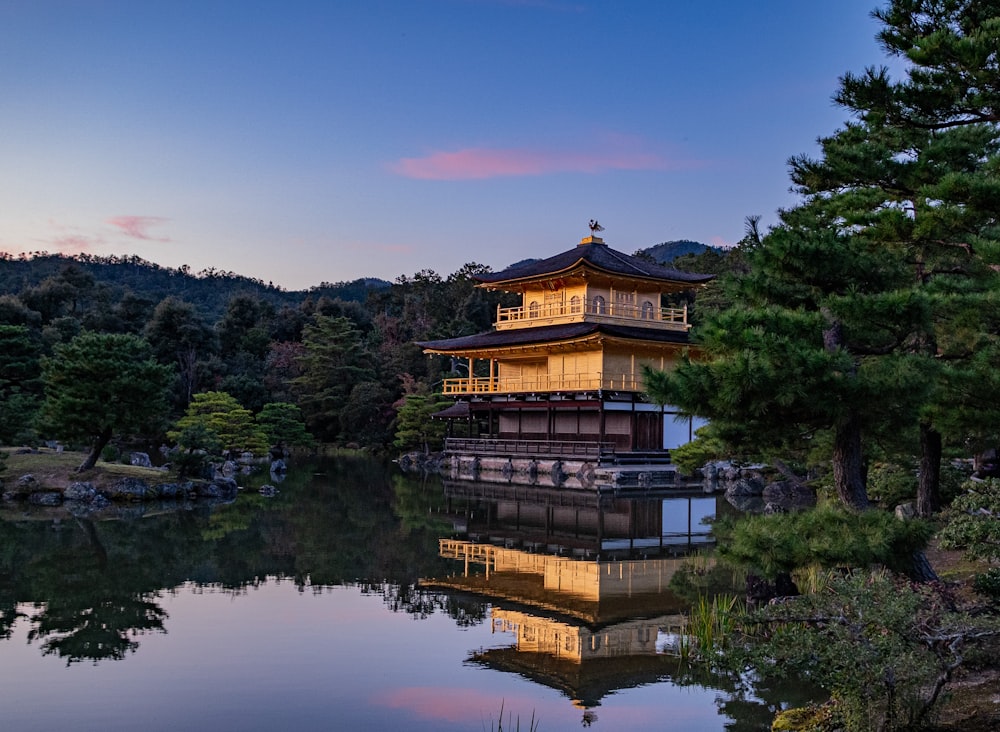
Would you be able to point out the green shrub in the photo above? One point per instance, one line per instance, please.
(890, 484)
(827, 536)
(884, 648)
(971, 521)
(988, 584)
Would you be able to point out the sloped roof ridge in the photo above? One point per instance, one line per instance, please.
(626, 259)
(592, 254)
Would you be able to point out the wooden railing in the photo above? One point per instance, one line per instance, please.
(593, 309)
(531, 448)
(542, 383)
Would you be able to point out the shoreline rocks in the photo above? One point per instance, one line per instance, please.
(124, 490)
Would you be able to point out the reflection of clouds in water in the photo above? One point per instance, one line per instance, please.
(669, 643)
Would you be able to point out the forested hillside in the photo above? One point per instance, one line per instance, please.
(210, 289)
(343, 353)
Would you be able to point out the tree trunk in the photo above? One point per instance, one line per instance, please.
(920, 569)
(95, 450)
(929, 487)
(848, 465)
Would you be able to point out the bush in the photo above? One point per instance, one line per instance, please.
(703, 449)
(988, 584)
(883, 647)
(827, 536)
(972, 523)
(890, 484)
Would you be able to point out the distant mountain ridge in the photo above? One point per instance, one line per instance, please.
(209, 289)
(668, 251)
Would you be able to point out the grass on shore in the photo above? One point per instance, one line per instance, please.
(57, 470)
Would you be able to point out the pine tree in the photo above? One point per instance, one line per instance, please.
(892, 254)
(915, 173)
(232, 425)
(332, 363)
(100, 384)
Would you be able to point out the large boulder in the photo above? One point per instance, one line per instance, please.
(45, 498)
(25, 485)
(177, 491)
(80, 491)
(140, 459)
(228, 468)
(787, 496)
(222, 488)
(129, 489)
(421, 462)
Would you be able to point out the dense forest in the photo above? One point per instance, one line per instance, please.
(343, 353)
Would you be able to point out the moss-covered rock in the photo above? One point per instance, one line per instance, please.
(812, 718)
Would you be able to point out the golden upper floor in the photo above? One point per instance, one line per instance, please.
(592, 283)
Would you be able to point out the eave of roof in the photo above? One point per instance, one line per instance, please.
(550, 334)
(599, 257)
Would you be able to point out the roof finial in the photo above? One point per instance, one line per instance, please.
(593, 238)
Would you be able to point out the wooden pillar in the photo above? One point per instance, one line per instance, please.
(634, 426)
(602, 433)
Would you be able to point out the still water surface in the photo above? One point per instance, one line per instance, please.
(358, 599)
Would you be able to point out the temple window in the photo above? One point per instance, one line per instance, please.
(647, 310)
(600, 305)
(533, 309)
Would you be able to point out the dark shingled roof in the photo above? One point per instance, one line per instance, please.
(549, 334)
(599, 256)
(458, 410)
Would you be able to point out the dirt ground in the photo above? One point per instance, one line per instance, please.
(973, 701)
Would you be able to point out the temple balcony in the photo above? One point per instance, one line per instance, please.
(592, 310)
(543, 383)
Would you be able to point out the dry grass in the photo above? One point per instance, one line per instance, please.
(56, 470)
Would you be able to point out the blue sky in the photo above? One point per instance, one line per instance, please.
(302, 142)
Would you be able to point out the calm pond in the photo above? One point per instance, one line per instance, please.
(358, 598)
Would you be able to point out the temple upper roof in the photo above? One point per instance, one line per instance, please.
(592, 253)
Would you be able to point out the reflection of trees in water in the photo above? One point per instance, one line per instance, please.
(421, 603)
(93, 602)
(8, 616)
(102, 630)
(95, 584)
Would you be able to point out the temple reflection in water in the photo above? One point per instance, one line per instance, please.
(579, 578)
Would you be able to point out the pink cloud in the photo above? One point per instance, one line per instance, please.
(718, 241)
(452, 705)
(479, 163)
(136, 226)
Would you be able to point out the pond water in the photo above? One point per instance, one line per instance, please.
(358, 598)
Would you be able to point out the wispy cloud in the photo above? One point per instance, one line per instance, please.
(67, 239)
(478, 163)
(137, 227)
